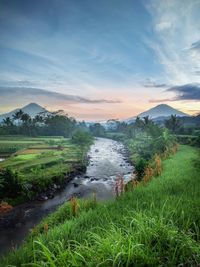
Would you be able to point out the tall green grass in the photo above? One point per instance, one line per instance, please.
(154, 225)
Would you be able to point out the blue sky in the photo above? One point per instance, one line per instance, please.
(100, 59)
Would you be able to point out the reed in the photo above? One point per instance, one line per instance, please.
(121, 184)
(74, 206)
(46, 228)
(94, 199)
(158, 165)
(117, 187)
(149, 172)
(134, 182)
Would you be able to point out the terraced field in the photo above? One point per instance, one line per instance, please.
(39, 162)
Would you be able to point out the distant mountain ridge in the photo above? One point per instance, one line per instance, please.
(31, 109)
(161, 111)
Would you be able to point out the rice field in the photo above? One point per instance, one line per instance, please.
(39, 161)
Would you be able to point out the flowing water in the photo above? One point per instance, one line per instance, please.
(107, 160)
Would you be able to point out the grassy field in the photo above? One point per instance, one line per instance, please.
(39, 162)
(153, 225)
(11, 144)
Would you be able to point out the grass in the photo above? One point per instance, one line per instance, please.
(40, 162)
(157, 224)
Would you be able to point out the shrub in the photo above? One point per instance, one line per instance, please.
(158, 165)
(140, 167)
(9, 183)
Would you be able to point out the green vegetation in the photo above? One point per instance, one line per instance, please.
(37, 164)
(55, 123)
(155, 224)
(83, 139)
(97, 130)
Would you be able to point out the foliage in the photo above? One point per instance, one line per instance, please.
(97, 129)
(56, 123)
(37, 165)
(59, 125)
(154, 225)
(197, 141)
(140, 167)
(173, 124)
(9, 183)
(82, 138)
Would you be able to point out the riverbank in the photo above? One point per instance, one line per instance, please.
(154, 225)
(106, 160)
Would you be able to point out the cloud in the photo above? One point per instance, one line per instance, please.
(183, 92)
(160, 100)
(28, 93)
(177, 44)
(154, 84)
(163, 25)
(195, 46)
(186, 92)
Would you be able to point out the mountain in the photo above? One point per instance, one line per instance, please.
(160, 112)
(31, 109)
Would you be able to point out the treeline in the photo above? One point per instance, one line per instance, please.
(44, 124)
(148, 142)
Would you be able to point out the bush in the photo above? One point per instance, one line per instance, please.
(140, 167)
(196, 142)
(9, 183)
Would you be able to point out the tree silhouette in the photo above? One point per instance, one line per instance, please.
(18, 115)
(173, 124)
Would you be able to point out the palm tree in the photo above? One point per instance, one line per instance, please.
(7, 121)
(146, 120)
(38, 119)
(173, 123)
(18, 115)
(25, 118)
(8, 125)
(139, 123)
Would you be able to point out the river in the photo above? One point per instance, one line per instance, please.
(107, 159)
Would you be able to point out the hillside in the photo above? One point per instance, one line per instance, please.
(32, 109)
(154, 225)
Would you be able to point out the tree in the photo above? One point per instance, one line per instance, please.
(7, 122)
(60, 125)
(97, 129)
(146, 121)
(9, 183)
(38, 119)
(139, 124)
(18, 115)
(83, 140)
(26, 119)
(173, 124)
(8, 127)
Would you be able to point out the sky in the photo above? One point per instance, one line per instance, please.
(102, 59)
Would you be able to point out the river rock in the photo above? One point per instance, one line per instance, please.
(18, 225)
(55, 186)
(50, 195)
(76, 184)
